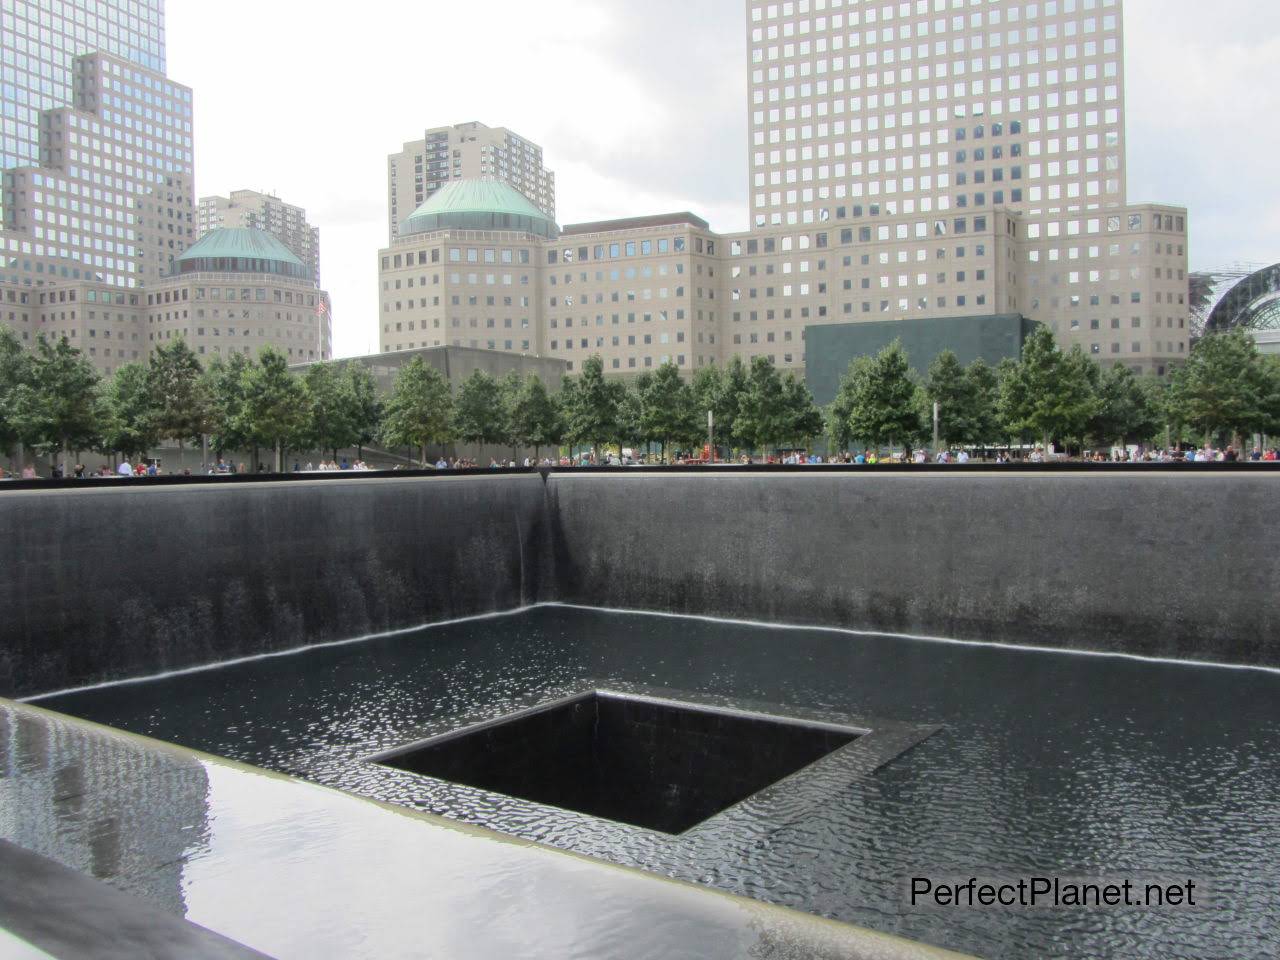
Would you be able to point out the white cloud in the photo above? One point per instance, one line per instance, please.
(641, 108)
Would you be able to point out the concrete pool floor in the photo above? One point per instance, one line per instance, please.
(293, 869)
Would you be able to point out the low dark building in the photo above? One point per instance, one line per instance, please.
(829, 348)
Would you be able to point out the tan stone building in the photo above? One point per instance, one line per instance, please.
(465, 151)
(964, 161)
(234, 291)
(237, 290)
(916, 159)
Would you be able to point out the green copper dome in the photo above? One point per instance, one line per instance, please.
(479, 205)
(240, 250)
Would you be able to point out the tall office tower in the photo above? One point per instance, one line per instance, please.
(966, 159)
(465, 151)
(263, 211)
(95, 171)
(39, 42)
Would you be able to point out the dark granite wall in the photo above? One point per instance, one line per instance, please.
(1167, 565)
(112, 582)
(100, 584)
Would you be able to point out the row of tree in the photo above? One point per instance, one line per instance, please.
(52, 400)
(1225, 390)
(752, 407)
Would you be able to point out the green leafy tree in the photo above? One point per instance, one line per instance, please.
(591, 406)
(225, 387)
(733, 394)
(708, 391)
(1077, 399)
(478, 413)
(365, 405)
(1047, 394)
(1221, 389)
(762, 418)
(951, 389)
(1013, 401)
(632, 428)
(667, 411)
(275, 410)
(984, 393)
(535, 417)
(179, 403)
(333, 409)
(804, 419)
(839, 412)
(15, 373)
(1269, 373)
(886, 407)
(509, 388)
(125, 413)
(57, 408)
(1126, 409)
(420, 409)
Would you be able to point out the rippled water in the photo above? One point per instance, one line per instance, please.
(1046, 763)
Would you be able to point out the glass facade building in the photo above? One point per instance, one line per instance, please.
(96, 152)
(39, 41)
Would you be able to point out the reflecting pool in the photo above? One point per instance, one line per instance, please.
(1044, 764)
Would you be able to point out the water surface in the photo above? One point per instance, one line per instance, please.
(1046, 763)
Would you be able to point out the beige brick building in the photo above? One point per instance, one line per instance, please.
(924, 158)
(237, 290)
(465, 151)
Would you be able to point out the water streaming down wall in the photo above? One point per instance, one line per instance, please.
(110, 582)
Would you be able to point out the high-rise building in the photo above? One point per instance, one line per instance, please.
(952, 159)
(919, 159)
(263, 211)
(97, 178)
(99, 209)
(465, 151)
(39, 42)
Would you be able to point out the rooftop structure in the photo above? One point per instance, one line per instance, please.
(240, 250)
(479, 205)
(263, 211)
(465, 151)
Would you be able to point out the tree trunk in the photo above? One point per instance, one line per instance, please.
(279, 455)
(66, 453)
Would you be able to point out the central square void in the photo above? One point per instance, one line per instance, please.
(659, 764)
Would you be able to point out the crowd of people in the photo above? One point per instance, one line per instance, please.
(327, 466)
(867, 456)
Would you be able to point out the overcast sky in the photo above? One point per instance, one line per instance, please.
(640, 107)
